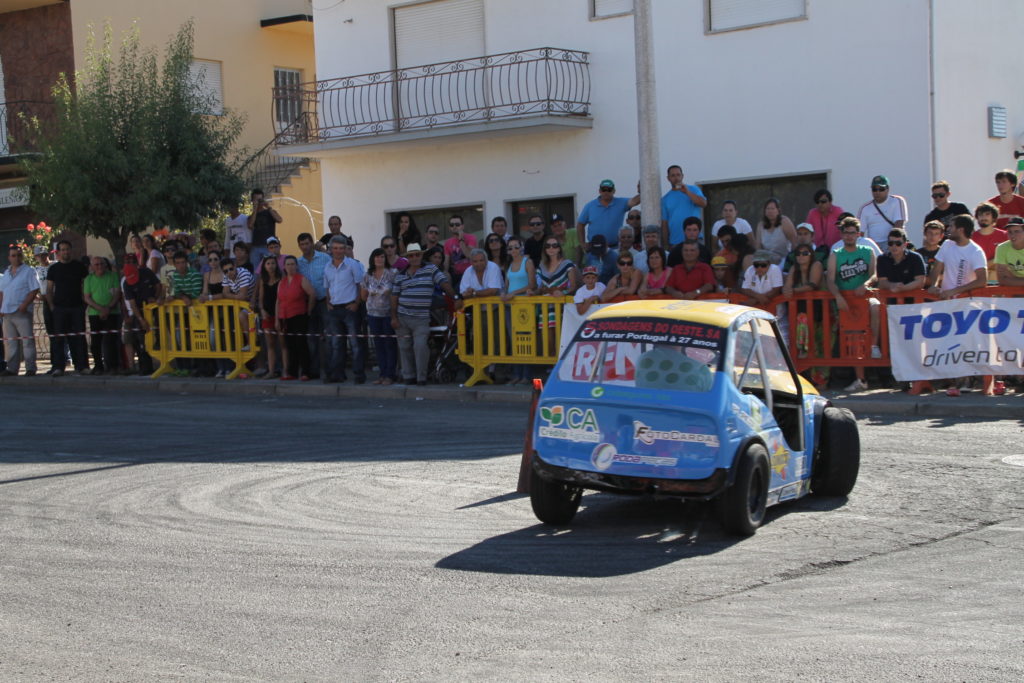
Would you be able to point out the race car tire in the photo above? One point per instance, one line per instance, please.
(743, 504)
(553, 502)
(838, 458)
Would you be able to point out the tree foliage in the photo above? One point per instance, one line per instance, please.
(131, 148)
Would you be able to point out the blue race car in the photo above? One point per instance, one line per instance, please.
(695, 399)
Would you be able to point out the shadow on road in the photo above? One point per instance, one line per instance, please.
(610, 536)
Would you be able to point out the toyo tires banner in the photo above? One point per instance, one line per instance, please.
(957, 338)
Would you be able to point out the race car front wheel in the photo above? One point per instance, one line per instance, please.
(553, 502)
(743, 504)
(838, 460)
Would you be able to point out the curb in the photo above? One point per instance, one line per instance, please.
(881, 403)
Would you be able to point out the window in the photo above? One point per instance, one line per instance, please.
(287, 97)
(206, 75)
(520, 213)
(439, 31)
(472, 219)
(795, 192)
(603, 9)
(649, 353)
(728, 15)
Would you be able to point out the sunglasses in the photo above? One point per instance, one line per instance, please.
(433, 232)
(938, 195)
(606, 189)
(879, 189)
(536, 223)
(455, 225)
(803, 253)
(229, 270)
(895, 243)
(625, 263)
(760, 265)
(551, 245)
(390, 246)
(515, 246)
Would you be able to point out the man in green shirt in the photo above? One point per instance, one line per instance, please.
(851, 269)
(101, 292)
(1010, 257)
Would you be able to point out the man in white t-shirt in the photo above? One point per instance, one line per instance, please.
(730, 217)
(236, 228)
(960, 265)
(884, 212)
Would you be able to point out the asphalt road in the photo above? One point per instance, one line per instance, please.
(151, 537)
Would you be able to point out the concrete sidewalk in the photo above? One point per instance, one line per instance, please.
(872, 402)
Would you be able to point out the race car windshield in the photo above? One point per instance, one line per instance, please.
(649, 353)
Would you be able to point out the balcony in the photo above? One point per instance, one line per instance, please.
(530, 90)
(16, 138)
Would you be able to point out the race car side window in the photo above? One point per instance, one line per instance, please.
(746, 370)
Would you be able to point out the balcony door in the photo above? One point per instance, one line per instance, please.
(287, 100)
(428, 33)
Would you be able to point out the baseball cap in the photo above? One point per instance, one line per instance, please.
(805, 226)
(880, 180)
(719, 262)
(273, 240)
(598, 244)
(590, 270)
(607, 183)
(131, 273)
(555, 217)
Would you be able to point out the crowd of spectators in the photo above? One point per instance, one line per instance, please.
(317, 310)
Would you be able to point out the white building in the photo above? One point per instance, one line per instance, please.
(755, 98)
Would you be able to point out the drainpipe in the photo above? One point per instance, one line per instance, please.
(931, 90)
(647, 112)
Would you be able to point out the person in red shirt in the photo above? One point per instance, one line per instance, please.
(691, 278)
(1010, 204)
(988, 236)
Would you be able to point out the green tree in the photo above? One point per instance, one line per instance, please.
(131, 146)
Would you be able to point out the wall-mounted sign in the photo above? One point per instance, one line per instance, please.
(13, 196)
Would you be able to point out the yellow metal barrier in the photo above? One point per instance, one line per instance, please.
(522, 331)
(212, 330)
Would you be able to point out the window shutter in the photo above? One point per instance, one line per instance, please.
(440, 31)
(609, 8)
(208, 75)
(730, 14)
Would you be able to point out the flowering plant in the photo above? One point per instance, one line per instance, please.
(42, 235)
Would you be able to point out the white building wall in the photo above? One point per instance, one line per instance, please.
(845, 92)
(976, 66)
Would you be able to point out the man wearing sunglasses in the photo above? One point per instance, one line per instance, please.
(900, 269)
(883, 213)
(851, 268)
(944, 209)
(762, 281)
(604, 215)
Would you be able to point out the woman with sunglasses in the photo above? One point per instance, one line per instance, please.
(805, 276)
(213, 279)
(557, 275)
(520, 280)
(657, 276)
(497, 250)
(626, 282)
(806, 273)
(389, 245)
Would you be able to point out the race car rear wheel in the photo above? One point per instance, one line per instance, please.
(743, 504)
(838, 459)
(553, 502)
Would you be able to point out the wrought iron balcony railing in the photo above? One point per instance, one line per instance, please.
(16, 135)
(529, 83)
